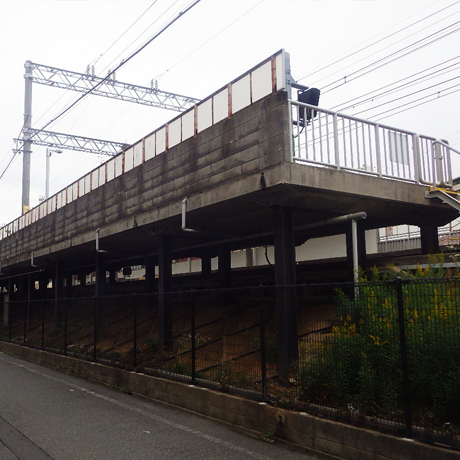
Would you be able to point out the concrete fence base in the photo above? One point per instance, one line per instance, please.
(325, 438)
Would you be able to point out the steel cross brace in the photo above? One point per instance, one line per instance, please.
(75, 81)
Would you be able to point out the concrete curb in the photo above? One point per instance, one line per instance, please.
(328, 439)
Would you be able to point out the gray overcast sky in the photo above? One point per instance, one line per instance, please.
(205, 49)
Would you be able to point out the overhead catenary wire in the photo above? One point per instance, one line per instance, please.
(410, 94)
(122, 63)
(437, 95)
(208, 40)
(390, 58)
(140, 35)
(403, 29)
(15, 151)
(367, 97)
(96, 60)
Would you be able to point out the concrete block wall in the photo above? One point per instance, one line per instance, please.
(328, 439)
(254, 139)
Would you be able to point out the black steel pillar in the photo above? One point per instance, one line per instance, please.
(285, 277)
(43, 279)
(206, 264)
(100, 274)
(164, 290)
(100, 288)
(225, 267)
(82, 278)
(429, 239)
(150, 264)
(68, 283)
(6, 308)
(58, 281)
(112, 276)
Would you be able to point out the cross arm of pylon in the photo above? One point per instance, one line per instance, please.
(71, 142)
(80, 82)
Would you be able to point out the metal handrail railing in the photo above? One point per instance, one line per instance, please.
(324, 138)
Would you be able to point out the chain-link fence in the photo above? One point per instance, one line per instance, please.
(380, 354)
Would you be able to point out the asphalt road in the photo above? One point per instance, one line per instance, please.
(48, 415)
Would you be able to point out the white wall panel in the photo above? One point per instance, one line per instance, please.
(241, 94)
(150, 147)
(188, 125)
(174, 133)
(110, 169)
(94, 179)
(138, 153)
(101, 174)
(262, 82)
(160, 144)
(280, 72)
(205, 115)
(118, 165)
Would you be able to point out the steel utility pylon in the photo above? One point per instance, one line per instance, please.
(81, 82)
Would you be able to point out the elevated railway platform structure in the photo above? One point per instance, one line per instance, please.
(248, 166)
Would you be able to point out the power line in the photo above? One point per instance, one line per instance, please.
(360, 101)
(394, 55)
(378, 41)
(207, 41)
(410, 94)
(9, 164)
(140, 35)
(122, 63)
(95, 61)
(437, 94)
(13, 157)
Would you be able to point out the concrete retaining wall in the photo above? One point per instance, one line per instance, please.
(328, 439)
(254, 139)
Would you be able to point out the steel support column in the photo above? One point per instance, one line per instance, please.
(101, 282)
(150, 264)
(206, 264)
(225, 267)
(68, 283)
(100, 288)
(285, 277)
(58, 281)
(164, 290)
(430, 239)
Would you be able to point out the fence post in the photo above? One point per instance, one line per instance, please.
(24, 336)
(65, 326)
(11, 312)
(43, 324)
(263, 351)
(193, 335)
(95, 320)
(404, 364)
(135, 332)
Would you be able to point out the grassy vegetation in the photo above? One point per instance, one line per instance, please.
(358, 369)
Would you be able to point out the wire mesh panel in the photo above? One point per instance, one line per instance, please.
(79, 327)
(432, 317)
(383, 354)
(352, 364)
